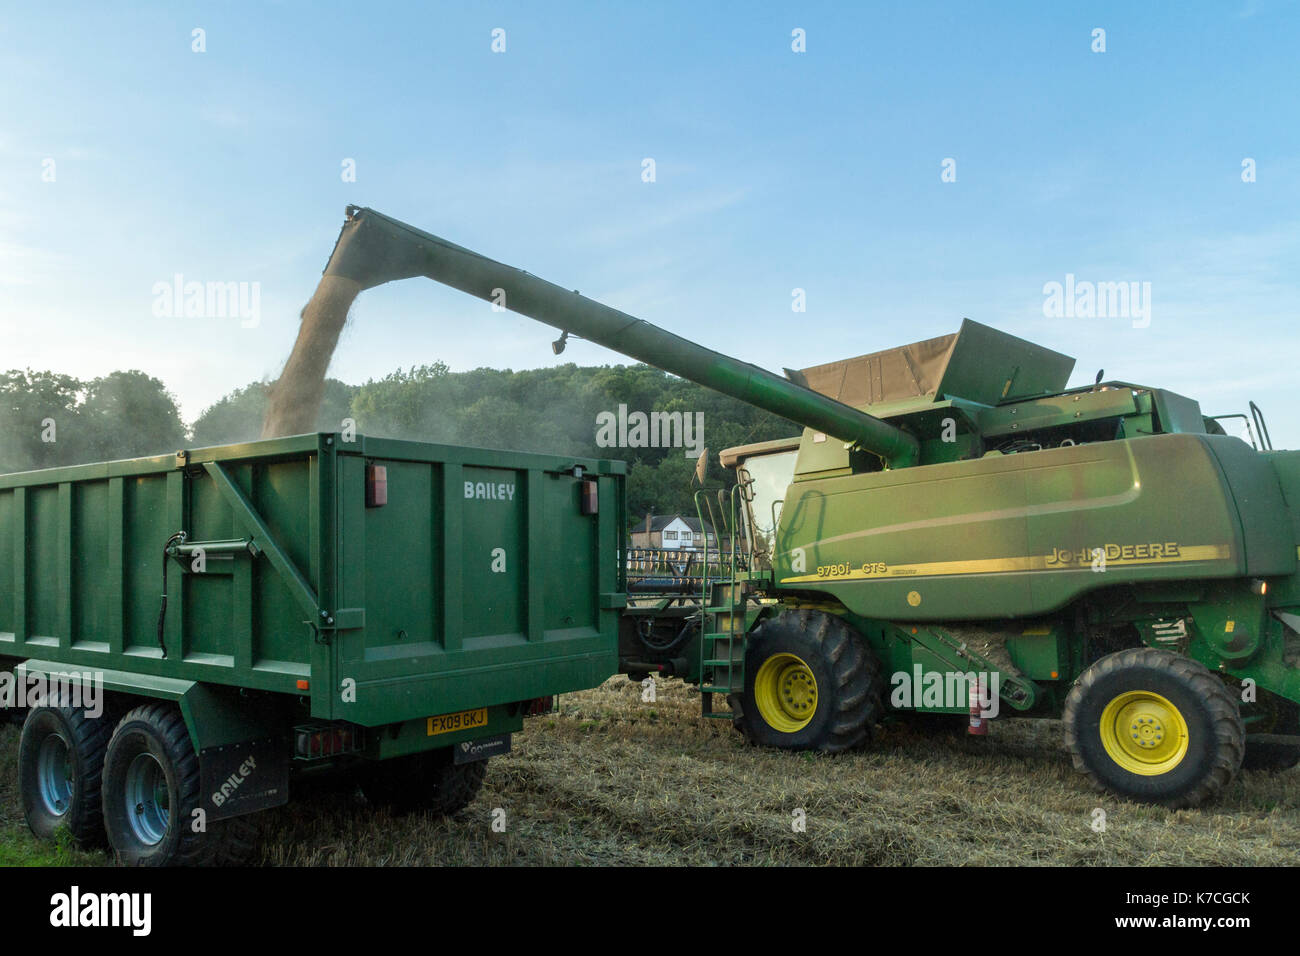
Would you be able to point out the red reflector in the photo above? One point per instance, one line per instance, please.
(303, 685)
(539, 706)
(590, 498)
(376, 486)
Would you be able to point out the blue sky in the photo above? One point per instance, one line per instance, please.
(775, 170)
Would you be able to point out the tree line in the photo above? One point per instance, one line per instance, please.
(48, 419)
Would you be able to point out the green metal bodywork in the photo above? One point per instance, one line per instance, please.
(1013, 535)
(1065, 523)
(479, 584)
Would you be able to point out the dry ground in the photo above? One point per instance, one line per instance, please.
(611, 780)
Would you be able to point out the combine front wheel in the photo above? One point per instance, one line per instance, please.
(811, 683)
(1153, 726)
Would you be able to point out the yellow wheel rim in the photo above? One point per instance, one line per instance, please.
(1144, 733)
(785, 691)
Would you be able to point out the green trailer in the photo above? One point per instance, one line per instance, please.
(188, 635)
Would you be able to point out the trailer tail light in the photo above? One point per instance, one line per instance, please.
(538, 706)
(376, 486)
(314, 741)
(590, 497)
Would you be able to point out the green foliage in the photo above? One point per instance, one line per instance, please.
(237, 417)
(47, 419)
(127, 415)
(30, 404)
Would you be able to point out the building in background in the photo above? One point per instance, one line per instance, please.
(676, 533)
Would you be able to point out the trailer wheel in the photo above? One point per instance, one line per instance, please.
(60, 768)
(1279, 716)
(811, 683)
(151, 790)
(423, 783)
(1154, 726)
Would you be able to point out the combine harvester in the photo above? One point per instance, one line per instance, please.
(956, 532)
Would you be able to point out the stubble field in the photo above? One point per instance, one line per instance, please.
(612, 780)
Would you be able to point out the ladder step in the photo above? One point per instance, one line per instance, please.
(724, 662)
(724, 609)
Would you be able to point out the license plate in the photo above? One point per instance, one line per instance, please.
(465, 720)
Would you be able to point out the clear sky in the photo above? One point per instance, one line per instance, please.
(774, 170)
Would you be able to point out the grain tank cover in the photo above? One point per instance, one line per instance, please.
(977, 363)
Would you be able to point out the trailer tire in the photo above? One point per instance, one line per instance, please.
(428, 782)
(60, 772)
(151, 762)
(811, 683)
(1155, 727)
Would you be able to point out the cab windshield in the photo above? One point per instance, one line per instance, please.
(771, 476)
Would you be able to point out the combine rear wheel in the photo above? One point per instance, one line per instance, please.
(1278, 716)
(811, 683)
(1155, 727)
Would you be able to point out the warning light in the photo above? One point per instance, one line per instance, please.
(376, 486)
(590, 497)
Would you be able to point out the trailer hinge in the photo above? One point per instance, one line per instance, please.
(321, 635)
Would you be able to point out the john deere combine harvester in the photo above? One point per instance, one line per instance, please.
(952, 520)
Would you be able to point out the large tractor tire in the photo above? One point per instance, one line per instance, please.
(151, 790)
(1278, 716)
(1154, 726)
(60, 766)
(811, 683)
(423, 783)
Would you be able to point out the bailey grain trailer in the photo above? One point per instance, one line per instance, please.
(189, 635)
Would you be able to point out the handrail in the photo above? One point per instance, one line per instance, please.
(1265, 441)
